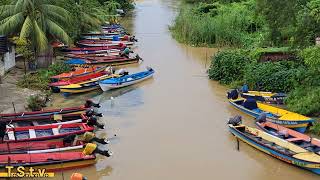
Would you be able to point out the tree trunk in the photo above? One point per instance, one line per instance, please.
(44, 59)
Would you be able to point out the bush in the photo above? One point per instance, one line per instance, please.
(315, 129)
(58, 68)
(304, 100)
(227, 66)
(311, 56)
(276, 77)
(36, 102)
(40, 79)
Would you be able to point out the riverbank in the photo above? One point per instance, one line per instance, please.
(11, 93)
(281, 62)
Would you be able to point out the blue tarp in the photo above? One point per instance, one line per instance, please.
(75, 61)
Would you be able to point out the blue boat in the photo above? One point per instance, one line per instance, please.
(125, 80)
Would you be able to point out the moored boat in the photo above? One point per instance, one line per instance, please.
(269, 97)
(56, 85)
(276, 147)
(99, 43)
(104, 61)
(54, 161)
(273, 114)
(79, 71)
(126, 80)
(48, 132)
(70, 110)
(56, 119)
(85, 86)
(297, 138)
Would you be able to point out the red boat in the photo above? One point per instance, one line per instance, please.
(73, 110)
(99, 43)
(48, 132)
(79, 79)
(112, 54)
(39, 146)
(79, 71)
(56, 119)
(90, 49)
(49, 161)
(113, 62)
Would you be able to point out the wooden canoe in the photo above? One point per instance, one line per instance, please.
(274, 114)
(48, 132)
(47, 112)
(277, 148)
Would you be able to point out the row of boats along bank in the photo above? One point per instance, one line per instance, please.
(279, 132)
(94, 62)
(59, 139)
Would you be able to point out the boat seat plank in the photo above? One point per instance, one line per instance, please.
(55, 131)
(11, 135)
(32, 133)
(294, 139)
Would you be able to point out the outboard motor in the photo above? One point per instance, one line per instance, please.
(233, 94)
(69, 139)
(235, 121)
(92, 121)
(91, 148)
(91, 112)
(90, 137)
(149, 68)
(90, 103)
(245, 88)
(138, 57)
(133, 39)
(262, 118)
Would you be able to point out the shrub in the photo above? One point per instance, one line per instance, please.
(40, 79)
(315, 129)
(227, 66)
(311, 56)
(36, 102)
(58, 68)
(276, 77)
(304, 100)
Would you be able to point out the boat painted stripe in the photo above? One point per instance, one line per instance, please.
(56, 149)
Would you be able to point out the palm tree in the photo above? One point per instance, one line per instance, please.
(36, 20)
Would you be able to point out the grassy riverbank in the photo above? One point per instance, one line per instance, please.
(270, 43)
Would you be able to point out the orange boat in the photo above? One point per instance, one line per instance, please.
(79, 71)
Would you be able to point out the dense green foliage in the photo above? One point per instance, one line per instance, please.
(305, 100)
(40, 79)
(227, 66)
(248, 23)
(276, 77)
(43, 21)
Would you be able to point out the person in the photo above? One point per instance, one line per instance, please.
(126, 52)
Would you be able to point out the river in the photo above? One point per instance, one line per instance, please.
(174, 125)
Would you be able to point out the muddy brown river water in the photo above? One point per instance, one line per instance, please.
(174, 125)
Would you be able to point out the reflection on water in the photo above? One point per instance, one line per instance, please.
(117, 102)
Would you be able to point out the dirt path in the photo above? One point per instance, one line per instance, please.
(9, 92)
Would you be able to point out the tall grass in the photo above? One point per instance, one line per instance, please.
(229, 26)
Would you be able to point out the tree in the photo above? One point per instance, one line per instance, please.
(36, 20)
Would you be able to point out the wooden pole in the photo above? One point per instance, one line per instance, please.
(238, 145)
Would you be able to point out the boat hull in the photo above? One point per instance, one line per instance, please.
(300, 126)
(314, 167)
(106, 87)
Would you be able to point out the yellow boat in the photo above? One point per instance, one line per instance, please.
(262, 96)
(85, 86)
(274, 114)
